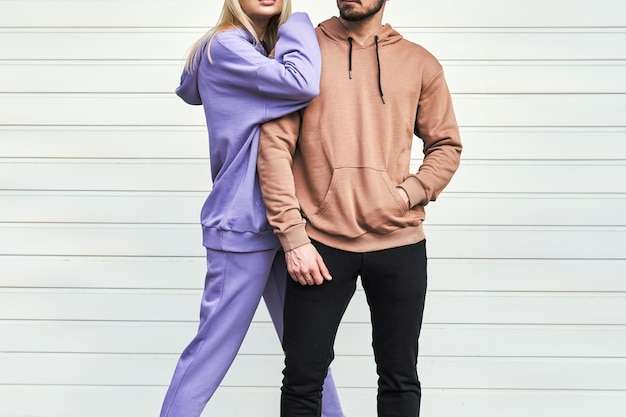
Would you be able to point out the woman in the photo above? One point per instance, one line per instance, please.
(229, 73)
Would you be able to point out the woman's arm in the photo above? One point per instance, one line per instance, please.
(287, 82)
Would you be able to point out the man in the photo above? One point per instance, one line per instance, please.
(339, 193)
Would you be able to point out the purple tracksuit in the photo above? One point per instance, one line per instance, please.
(241, 89)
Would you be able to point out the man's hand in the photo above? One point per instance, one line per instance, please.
(306, 266)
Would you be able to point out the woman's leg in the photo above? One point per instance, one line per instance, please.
(233, 288)
(274, 297)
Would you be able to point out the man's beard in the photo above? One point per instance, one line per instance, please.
(349, 14)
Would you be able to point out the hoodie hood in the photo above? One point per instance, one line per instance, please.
(334, 30)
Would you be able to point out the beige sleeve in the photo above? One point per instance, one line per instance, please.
(437, 127)
(277, 145)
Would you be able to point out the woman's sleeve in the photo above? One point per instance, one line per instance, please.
(289, 81)
(294, 74)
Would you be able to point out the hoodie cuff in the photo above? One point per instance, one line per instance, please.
(417, 194)
(294, 237)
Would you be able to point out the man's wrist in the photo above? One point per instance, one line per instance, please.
(408, 198)
(294, 237)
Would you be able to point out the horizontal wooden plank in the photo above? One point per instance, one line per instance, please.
(542, 77)
(472, 110)
(133, 401)
(446, 44)
(522, 403)
(446, 13)
(493, 77)
(158, 175)
(82, 401)
(528, 210)
(123, 174)
(541, 143)
(520, 44)
(357, 372)
(441, 307)
(164, 142)
(498, 373)
(515, 308)
(531, 243)
(86, 240)
(559, 177)
(99, 109)
(86, 207)
(184, 208)
(103, 272)
(539, 110)
(106, 13)
(188, 273)
(483, 341)
(537, 275)
(485, 13)
(104, 142)
(89, 76)
(352, 339)
(128, 401)
(493, 373)
(450, 242)
(140, 401)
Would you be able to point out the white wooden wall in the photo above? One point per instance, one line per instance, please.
(103, 171)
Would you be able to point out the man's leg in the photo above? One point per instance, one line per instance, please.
(394, 281)
(312, 316)
(274, 296)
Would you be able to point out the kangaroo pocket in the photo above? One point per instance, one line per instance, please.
(360, 201)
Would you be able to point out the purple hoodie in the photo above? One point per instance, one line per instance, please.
(241, 89)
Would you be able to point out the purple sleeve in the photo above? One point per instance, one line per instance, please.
(292, 79)
(188, 88)
(286, 83)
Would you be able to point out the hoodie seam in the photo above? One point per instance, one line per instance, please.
(435, 75)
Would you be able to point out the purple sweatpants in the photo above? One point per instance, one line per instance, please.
(233, 288)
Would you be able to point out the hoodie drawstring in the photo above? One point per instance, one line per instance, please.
(350, 59)
(380, 85)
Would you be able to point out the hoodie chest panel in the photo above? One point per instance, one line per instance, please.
(350, 123)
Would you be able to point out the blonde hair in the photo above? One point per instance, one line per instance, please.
(233, 16)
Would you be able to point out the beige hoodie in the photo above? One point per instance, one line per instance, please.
(350, 148)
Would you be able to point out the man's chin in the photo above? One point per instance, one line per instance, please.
(347, 14)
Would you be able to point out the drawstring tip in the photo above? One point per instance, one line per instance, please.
(350, 74)
(383, 99)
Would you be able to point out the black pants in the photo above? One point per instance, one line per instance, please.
(394, 281)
